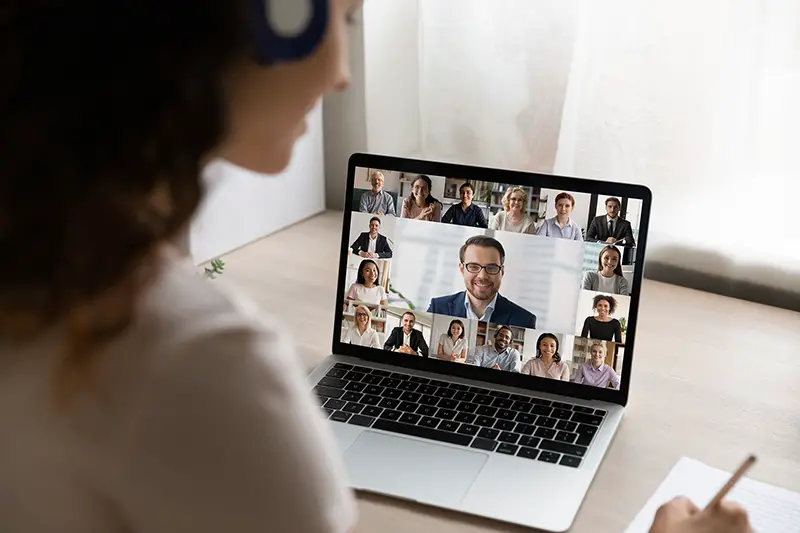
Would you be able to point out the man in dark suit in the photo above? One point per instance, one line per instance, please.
(405, 339)
(371, 243)
(611, 227)
(481, 263)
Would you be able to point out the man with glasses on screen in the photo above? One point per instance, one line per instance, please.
(481, 263)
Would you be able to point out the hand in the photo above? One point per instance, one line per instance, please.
(406, 349)
(611, 240)
(363, 254)
(380, 213)
(496, 366)
(427, 211)
(682, 516)
(372, 255)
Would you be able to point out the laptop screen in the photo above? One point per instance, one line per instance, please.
(509, 278)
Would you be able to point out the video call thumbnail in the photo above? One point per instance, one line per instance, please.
(519, 279)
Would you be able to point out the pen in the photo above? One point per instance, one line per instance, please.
(741, 471)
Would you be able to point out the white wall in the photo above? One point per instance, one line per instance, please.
(242, 206)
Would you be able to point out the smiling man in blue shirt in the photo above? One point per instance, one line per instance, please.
(465, 213)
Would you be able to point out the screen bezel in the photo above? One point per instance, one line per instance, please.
(530, 179)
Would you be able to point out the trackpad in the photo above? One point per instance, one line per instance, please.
(417, 470)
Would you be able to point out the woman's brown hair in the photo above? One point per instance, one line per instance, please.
(107, 112)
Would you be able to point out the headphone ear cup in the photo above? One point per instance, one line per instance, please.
(288, 30)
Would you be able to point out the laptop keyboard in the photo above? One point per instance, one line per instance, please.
(494, 421)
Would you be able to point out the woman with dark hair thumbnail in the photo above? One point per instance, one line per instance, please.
(608, 277)
(547, 363)
(141, 397)
(366, 287)
(603, 326)
(421, 205)
(453, 345)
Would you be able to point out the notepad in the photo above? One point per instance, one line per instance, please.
(771, 509)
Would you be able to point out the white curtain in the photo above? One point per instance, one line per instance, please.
(700, 100)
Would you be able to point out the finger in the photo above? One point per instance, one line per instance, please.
(732, 515)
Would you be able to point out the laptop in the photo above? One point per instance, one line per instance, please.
(484, 334)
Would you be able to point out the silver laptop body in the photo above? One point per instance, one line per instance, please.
(499, 444)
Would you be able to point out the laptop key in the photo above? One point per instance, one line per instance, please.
(328, 392)
(391, 414)
(527, 453)
(483, 444)
(486, 421)
(466, 418)
(566, 426)
(600, 413)
(562, 414)
(429, 400)
(334, 383)
(505, 425)
(539, 401)
(441, 392)
(546, 422)
(343, 365)
(568, 460)
(391, 393)
(448, 425)
(482, 399)
(525, 418)
(562, 447)
(417, 379)
(506, 414)
(582, 409)
(439, 383)
(486, 410)
(523, 407)
(502, 403)
(353, 407)
(566, 436)
(429, 422)
(447, 414)
(372, 411)
(488, 433)
(581, 418)
(518, 397)
(390, 383)
(371, 379)
(411, 396)
(585, 435)
(562, 405)
(530, 442)
(542, 410)
(356, 386)
(422, 432)
(545, 433)
(381, 373)
(444, 403)
(401, 377)
(479, 390)
(508, 437)
(468, 429)
(361, 420)
(352, 396)
(375, 390)
(508, 449)
(408, 386)
(466, 407)
(427, 389)
(409, 418)
(340, 416)
(408, 407)
(362, 369)
(328, 412)
(426, 410)
(354, 376)
(335, 404)
(459, 387)
(389, 403)
(549, 457)
(499, 394)
(368, 399)
(336, 373)
(464, 396)
(524, 429)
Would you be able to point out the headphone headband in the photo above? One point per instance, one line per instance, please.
(288, 30)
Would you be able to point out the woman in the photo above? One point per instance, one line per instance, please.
(547, 363)
(562, 226)
(361, 333)
(608, 278)
(596, 372)
(421, 205)
(142, 398)
(452, 345)
(603, 326)
(514, 216)
(173, 404)
(366, 288)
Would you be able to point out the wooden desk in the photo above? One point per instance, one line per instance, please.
(714, 378)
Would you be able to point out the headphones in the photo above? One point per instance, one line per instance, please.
(288, 30)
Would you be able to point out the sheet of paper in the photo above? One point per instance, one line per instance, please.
(771, 509)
